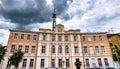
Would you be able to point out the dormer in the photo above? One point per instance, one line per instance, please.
(59, 28)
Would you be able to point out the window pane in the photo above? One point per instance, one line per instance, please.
(26, 49)
(100, 38)
(66, 49)
(20, 47)
(53, 49)
(59, 38)
(15, 36)
(75, 38)
(103, 49)
(99, 62)
(66, 38)
(76, 49)
(60, 62)
(44, 37)
(83, 38)
(106, 62)
(60, 49)
(67, 63)
(31, 62)
(53, 62)
(91, 50)
(97, 49)
(12, 49)
(42, 62)
(85, 50)
(33, 49)
(87, 62)
(94, 38)
(34, 37)
(93, 62)
(24, 62)
(28, 37)
(22, 36)
(53, 38)
(43, 49)
(89, 38)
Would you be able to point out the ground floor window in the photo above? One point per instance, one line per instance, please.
(60, 62)
(42, 62)
(106, 62)
(24, 62)
(53, 62)
(67, 63)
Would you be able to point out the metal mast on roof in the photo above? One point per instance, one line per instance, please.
(54, 19)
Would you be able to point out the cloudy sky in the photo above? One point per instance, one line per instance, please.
(86, 15)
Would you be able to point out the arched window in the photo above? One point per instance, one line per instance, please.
(53, 49)
(66, 49)
(59, 49)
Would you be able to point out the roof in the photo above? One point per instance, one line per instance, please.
(25, 31)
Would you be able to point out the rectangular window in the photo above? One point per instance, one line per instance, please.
(60, 62)
(67, 63)
(100, 38)
(94, 38)
(83, 38)
(34, 37)
(99, 62)
(97, 49)
(106, 62)
(75, 38)
(26, 49)
(42, 62)
(44, 37)
(93, 62)
(20, 48)
(24, 62)
(66, 49)
(103, 49)
(8, 63)
(60, 49)
(53, 62)
(43, 49)
(85, 50)
(76, 49)
(59, 38)
(89, 38)
(91, 50)
(12, 49)
(31, 62)
(66, 38)
(33, 49)
(28, 37)
(53, 49)
(22, 36)
(15, 36)
(87, 62)
(53, 38)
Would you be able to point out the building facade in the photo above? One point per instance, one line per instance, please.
(58, 48)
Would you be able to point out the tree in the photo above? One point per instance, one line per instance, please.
(116, 55)
(2, 52)
(16, 58)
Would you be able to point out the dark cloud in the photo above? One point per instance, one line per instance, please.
(25, 12)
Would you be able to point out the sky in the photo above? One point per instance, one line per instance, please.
(86, 15)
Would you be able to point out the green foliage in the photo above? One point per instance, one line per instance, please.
(2, 52)
(16, 58)
(116, 56)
